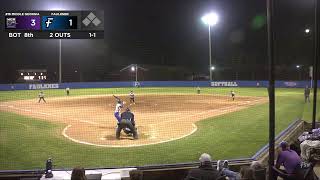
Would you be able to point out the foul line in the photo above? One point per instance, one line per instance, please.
(213, 110)
(124, 146)
(49, 114)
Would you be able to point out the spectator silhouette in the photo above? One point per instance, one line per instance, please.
(246, 173)
(78, 174)
(205, 171)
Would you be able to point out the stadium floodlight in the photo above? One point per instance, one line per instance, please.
(298, 66)
(307, 31)
(212, 68)
(210, 19)
(133, 68)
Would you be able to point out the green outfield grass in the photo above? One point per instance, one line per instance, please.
(27, 142)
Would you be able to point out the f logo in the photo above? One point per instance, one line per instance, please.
(49, 21)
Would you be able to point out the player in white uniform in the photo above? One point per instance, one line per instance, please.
(233, 94)
(198, 90)
(68, 91)
(131, 95)
(41, 96)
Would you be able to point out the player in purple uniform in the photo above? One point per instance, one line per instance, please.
(117, 111)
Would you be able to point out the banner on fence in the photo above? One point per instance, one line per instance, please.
(43, 86)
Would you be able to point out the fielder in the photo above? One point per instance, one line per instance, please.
(198, 90)
(233, 94)
(131, 96)
(68, 91)
(127, 124)
(41, 96)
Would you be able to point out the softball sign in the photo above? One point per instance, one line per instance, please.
(224, 84)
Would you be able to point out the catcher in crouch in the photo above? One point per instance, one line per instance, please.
(127, 124)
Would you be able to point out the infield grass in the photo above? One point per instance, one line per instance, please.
(25, 143)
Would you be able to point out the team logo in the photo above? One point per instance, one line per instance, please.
(11, 22)
(49, 21)
(137, 84)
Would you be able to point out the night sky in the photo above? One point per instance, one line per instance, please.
(168, 33)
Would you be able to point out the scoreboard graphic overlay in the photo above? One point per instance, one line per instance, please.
(55, 24)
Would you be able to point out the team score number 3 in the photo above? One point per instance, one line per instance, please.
(33, 22)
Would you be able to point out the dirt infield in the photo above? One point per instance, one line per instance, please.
(159, 118)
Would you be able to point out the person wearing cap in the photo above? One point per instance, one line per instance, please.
(289, 159)
(127, 124)
(205, 171)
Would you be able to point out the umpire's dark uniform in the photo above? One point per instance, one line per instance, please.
(127, 122)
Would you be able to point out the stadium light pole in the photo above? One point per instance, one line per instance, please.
(316, 49)
(271, 57)
(299, 71)
(210, 19)
(134, 68)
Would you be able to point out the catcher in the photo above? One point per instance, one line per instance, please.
(127, 124)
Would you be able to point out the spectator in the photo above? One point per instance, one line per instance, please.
(205, 170)
(256, 165)
(290, 160)
(259, 172)
(78, 174)
(246, 173)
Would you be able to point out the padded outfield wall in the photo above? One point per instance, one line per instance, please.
(77, 85)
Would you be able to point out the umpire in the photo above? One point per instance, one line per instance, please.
(127, 124)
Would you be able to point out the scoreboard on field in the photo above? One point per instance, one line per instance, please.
(55, 24)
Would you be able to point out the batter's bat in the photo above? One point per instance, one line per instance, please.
(117, 98)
